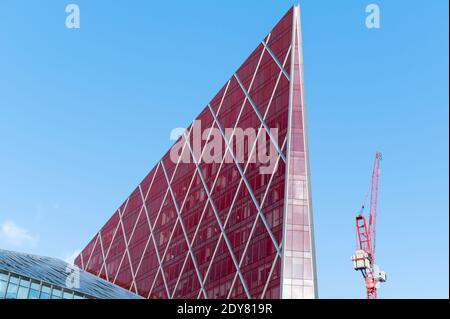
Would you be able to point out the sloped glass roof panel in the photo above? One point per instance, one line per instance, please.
(56, 272)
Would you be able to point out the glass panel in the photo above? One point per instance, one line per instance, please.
(14, 280)
(78, 297)
(67, 295)
(35, 286)
(34, 290)
(45, 292)
(3, 284)
(56, 293)
(23, 293)
(11, 293)
(24, 283)
(34, 294)
(3, 277)
(297, 226)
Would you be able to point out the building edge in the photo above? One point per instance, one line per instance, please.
(296, 31)
(297, 11)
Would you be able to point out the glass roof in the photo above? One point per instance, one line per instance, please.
(56, 272)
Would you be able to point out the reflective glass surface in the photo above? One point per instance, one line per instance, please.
(34, 290)
(215, 229)
(24, 276)
(30, 289)
(298, 278)
(45, 293)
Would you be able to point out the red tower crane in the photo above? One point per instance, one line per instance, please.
(364, 258)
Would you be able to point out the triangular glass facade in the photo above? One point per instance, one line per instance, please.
(228, 222)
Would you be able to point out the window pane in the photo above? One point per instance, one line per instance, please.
(2, 289)
(34, 290)
(14, 280)
(23, 293)
(24, 283)
(35, 286)
(3, 277)
(11, 293)
(67, 295)
(56, 294)
(34, 294)
(45, 293)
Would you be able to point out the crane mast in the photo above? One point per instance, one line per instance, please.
(364, 258)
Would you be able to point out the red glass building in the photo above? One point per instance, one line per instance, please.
(231, 228)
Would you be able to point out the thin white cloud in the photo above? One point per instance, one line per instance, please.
(17, 236)
(70, 258)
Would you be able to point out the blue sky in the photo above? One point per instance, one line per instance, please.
(85, 114)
